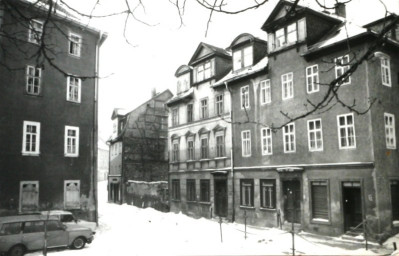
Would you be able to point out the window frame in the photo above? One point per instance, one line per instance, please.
(243, 199)
(312, 217)
(240, 58)
(386, 67)
(390, 127)
(33, 77)
(32, 32)
(342, 68)
(244, 95)
(314, 77)
(219, 104)
(190, 150)
(79, 89)
(201, 70)
(315, 131)
(175, 116)
(207, 184)
(204, 147)
(190, 112)
(220, 147)
(175, 188)
(273, 196)
(266, 141)
(291, 140)
(191, 195)
(287, 84)
(345, 126)
(66, 139)
(66, 205)
(77, 44)
(246, 144)
(36, 152)
(265, 92)
(175, 150)
(204, 109)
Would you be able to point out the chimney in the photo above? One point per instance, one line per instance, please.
(340, 9)
(153, 92)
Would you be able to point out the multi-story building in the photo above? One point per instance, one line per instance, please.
(200, 136)
(330, 171)
(139, 154)
(48, 112)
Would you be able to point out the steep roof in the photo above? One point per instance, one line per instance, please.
(209, 50)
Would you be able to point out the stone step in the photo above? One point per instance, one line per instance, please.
(357, 238)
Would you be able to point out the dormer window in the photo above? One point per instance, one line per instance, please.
(287, 35)
(183, 83)
(204, 71)
(243, 58)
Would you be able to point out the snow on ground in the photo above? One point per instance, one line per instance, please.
(128, 230)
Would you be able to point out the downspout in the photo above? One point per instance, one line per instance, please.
(232, 154)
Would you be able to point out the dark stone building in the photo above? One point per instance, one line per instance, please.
(48, 113)
(139, 154)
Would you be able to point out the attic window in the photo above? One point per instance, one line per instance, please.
(204, 71)
(287, 35)
(243, 58)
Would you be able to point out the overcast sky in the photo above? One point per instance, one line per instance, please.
(156, 51)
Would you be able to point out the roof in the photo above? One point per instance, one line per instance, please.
(119, 112)
(213, 49)
(232, 76)
(181, 96)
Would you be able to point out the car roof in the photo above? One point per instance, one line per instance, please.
(18, 218)
(55, 212)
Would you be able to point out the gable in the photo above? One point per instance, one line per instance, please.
(203, 52)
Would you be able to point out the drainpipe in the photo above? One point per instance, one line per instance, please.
(232, 153)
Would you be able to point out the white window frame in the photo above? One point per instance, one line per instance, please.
(289, 138)
(76, 44)
(190, 150)
(243, 58)
(390, 136)
(204, 147)
(32, 77)
(312, 79)
(265, 92)
(245, 97)
(66, 206)
(267, 141)
(346, 127)
(287, 85)
(315, 131)
(386, 71)
(176, 150)
(246, 143)
(219, 102)
(222, 146)
(292, 33)
(21, 184)
(342, 68)
(36, 152)
(175, 116)
(68, 151)
(69, 88)
(204, 108)
(35, 33)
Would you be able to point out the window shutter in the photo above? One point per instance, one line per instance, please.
(212, 62)
(270, 42)
(319, 200)
(195, 74)
(301, 29)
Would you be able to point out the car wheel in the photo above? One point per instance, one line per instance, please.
(78, 243)
(17, 250)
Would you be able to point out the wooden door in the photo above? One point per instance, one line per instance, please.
(221, 198)
(292, 201)
(352, 201)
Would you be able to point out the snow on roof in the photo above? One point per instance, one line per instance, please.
(231, 76)
(343, 32)
(181, 96)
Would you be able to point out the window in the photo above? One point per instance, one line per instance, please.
(204, 71)
(386, 71)
(312, 79)
(204, 190)
(266, 135)
(33, 80)
(341, 66)
(245, 97)
(289, 138)
(219, 105)
(190, 112)
(72, 194)
(319, 196)
(204, 148)
(204, 108)
(280, 37)
(315, 135)
(390, 136)
(33, 227)
(190, 149)
(287, 35)
(175, 153)
(346, 131)
(242, 58)
(175, 116)
(291, 33)
(191, 197)
(247, 192)
(35, 31)
(287, 86)
(246, 143)
(71, 141)
(220, 146)
(75, 42)
(175, 189)
(14, 228)
(268, 194)
(265, 92)
(31, 138)
(73, 89)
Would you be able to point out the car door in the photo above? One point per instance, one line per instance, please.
(33, 235)
(56, 234)
(10, 235)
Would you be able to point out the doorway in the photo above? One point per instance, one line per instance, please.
(292, 200)
(395, 199)
(221, 197)
(115, 192)
(352, 204)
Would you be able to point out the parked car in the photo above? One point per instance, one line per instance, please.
(69, 219)
(22, 233)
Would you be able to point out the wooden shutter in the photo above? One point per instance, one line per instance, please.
(270, 42)
(319, 200)
(301, 29)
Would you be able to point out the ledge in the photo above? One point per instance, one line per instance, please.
(267, 209)
(205, 203)
(191, 202)
(205, 160)
(220, 158)
(247, 207)
(30, 154)
(320, 221)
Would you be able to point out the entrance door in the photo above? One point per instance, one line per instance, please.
(352, 200)
(115, 192)
(221, 198)
(395, 199)
(292, 200)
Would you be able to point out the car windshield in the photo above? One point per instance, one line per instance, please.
(67, 218)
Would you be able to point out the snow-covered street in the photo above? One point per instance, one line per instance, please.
(128, 230)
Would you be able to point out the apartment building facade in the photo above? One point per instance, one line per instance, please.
(48, 112)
